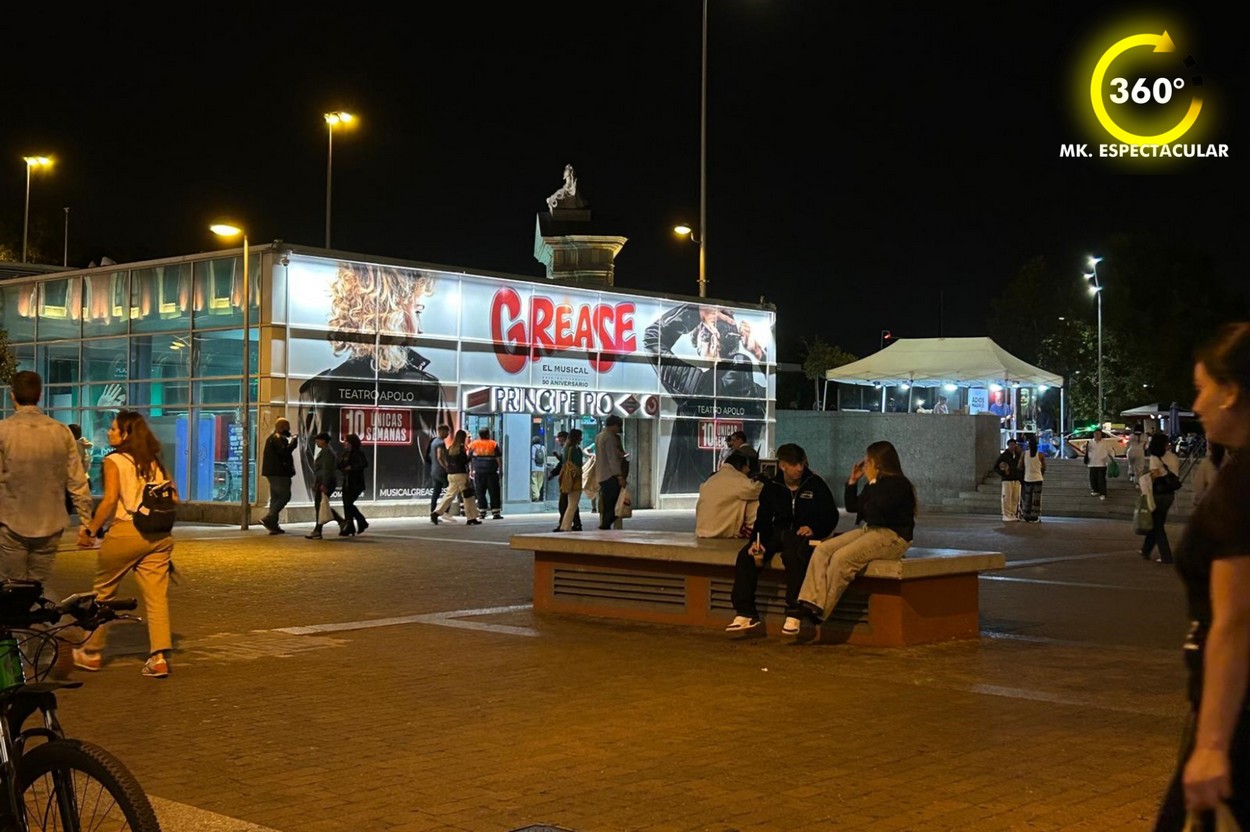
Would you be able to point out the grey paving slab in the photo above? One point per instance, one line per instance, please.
(318, 686)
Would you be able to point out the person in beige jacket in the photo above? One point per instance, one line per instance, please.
(728, 500)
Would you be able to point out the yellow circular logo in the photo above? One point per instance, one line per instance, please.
(1141, 92)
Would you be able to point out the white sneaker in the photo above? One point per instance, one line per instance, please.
(742, 622)
(790, 627)
(1102, 496)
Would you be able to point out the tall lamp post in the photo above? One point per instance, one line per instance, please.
(685, 230)
(32, 162)
(1095, 289)
(225, 230)
(332, 119)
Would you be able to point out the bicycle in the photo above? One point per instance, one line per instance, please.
(49, 781)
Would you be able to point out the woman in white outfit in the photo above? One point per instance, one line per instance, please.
(1031, 491)
(886, 519)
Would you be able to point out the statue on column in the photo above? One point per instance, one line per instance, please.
(567, 196)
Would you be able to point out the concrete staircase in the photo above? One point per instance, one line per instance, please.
(1066, 494)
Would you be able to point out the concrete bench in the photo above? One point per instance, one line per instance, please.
(675, 578)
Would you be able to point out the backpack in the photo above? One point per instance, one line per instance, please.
(539, 452)
(157, 505)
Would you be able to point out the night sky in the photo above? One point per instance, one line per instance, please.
(870, 166)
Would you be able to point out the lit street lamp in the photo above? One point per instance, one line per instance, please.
(1095, 289)
(697, 239)
(32, 162)
(332, 119)
(224, 230)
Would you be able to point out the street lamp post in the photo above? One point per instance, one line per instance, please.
(703, 165)
(32, 162)
(225, 230)
(331, 120)
(1095, 289)
(65, 256)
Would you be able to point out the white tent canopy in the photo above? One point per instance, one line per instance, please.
(1155, 411)
(929, 362)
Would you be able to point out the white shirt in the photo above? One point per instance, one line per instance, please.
(1100, 452)
(1033, 466)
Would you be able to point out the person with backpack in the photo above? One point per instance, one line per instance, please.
(137, 512)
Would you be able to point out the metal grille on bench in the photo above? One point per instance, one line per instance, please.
(852, 608)
(621, 587)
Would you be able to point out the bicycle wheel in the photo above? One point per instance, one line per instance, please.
(74, 786)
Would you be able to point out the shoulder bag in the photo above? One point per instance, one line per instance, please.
(1168, 483)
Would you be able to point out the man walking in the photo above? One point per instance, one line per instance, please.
(39, 462)
(277, 466)
(438, 465)
(484, 459)
(1010, 466)
(611, 467)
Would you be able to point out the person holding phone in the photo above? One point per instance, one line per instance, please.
(885, 521)
(277, 466)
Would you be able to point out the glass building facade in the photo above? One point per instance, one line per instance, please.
(389, 351)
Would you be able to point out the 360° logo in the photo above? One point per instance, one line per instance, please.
(1161, 43)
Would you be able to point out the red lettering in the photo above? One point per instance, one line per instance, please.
(511, 343)
(625, 341)
(564, 326)
(542, 313)
(585, 336)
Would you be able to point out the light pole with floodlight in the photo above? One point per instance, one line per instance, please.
(226, 230)
(1095, 289)
(332, 119)
(32, 162)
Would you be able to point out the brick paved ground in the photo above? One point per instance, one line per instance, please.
(1064, 716)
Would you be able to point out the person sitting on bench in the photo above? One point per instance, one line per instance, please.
(886, 518)
(728, 500)
(795, 508)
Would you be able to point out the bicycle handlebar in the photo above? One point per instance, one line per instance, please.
(22, 606)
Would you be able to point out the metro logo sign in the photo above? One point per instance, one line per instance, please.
(604, 330)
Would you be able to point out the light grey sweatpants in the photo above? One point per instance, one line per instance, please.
(837, 561)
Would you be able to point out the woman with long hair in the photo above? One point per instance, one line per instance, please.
(134, 463)
(1031, 489)
(571, 480)
(1213, 559)
(458, 480)
(1160, 462)
(353, 462)
(886, 512)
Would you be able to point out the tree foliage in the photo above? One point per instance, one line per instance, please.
(820, 357)
(8, 362)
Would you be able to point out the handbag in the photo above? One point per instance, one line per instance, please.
(324, 513)
(1143, 518)
(570, 478)
(1224, 821)
(624, 506)
(1113, 468)
(1168, 483)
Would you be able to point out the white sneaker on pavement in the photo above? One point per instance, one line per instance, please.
(742, 622)
(790, 627)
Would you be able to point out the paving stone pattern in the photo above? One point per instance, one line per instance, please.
(1065, 716)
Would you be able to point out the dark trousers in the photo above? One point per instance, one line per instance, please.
(439, 485)
(609, 493)
(321, 495)
(1098, 479)
(796, 553)
(1158, 535)
(279, 496)
(1172, 812)
(1031, 501)
(577, 512)
(487, 485)
(355, 520)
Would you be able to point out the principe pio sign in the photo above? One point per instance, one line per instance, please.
(548, 402)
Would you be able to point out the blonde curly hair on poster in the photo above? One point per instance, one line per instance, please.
(377, 299)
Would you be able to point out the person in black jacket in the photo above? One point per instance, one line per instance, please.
(795, 508)
(277, 465)
(353, 462)
(1010, 467)
(886, 519)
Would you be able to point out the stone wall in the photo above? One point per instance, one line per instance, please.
(941, 454)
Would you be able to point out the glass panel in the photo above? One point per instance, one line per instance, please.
(105, 360)
(60, 308)
(59, 363)
(222, 391)
(168, 425)
(220, 352)
(61, 403)
(216, 444)
(160, 298)
(160, 356)
(25, 356)
(159, 394)
(218, 295)
(95, 429)
(17, 311)
(106, 301)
